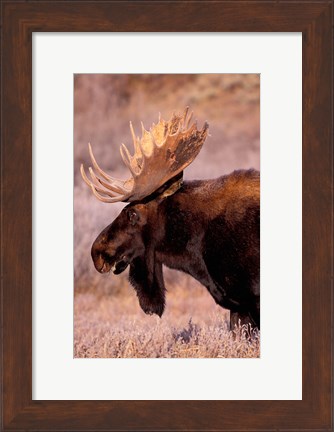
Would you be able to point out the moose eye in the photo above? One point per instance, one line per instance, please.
(133, 216)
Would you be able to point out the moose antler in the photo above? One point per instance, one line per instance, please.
(159, 155)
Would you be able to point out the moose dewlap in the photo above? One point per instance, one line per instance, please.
(209, 229)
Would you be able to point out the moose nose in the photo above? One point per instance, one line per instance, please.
(98, 260)
(104, 268)
(99, 263)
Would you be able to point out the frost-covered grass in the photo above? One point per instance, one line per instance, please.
(108, 325)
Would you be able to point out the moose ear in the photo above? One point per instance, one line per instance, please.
(133, 216)
(170, 187)
(137, 215)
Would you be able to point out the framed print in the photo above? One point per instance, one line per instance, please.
(235, 120)
(149, 398)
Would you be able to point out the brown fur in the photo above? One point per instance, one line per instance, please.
(209, 229)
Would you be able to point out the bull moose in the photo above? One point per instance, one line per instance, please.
(209, 229)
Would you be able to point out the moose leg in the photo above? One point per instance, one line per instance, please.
(250, 315)
(242, 318)
(147, 279)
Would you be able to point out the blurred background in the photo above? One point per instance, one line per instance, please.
(103, 107)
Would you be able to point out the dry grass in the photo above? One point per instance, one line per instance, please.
(112, 325)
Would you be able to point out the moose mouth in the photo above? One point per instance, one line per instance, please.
(119, 266)
(107, 265)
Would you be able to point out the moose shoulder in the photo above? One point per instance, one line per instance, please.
(209, 229)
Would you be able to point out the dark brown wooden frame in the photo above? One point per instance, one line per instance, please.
(19, 20)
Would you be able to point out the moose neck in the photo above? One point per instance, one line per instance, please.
(172, 228)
